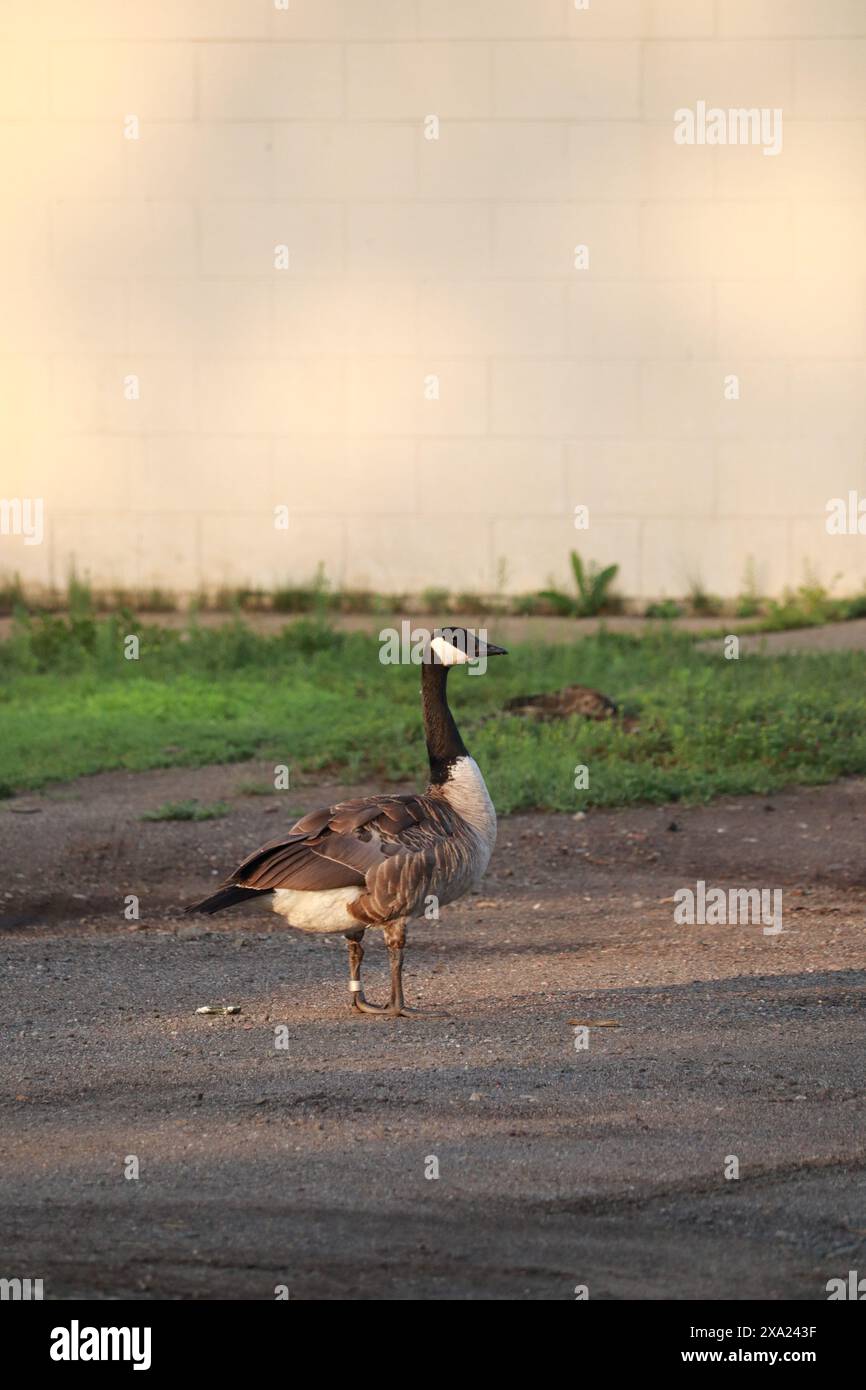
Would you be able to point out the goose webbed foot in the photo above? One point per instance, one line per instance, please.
(363, 1006)
(407, 1011)
(392, 1010)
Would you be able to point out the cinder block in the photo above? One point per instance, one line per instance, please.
(50, 160)
(247, 549)
(217, 161)
(342, 160)
(127, 551)
(343, 317)
(839, 562)
(77, 159)
(222, 19)
(606, 159)
(681, 241)
(713, 240)
(639, 478)
(675, 172)
(108, 81)
(68, 472)
(415, 553)
(615, 19)
(819, 161)
(624, 159)
(830, 239)
(778, 19)
(621, 319)
(25, 243)
(564, 398)
(98, 238)
(33, 564)
(727, 74)
(271, 82)
(686, 400)
(202, 474)
(399, 81)
(105, 19)
(265, 396)
(93, 473)
(486, 19)
(828, 399)
(536, 550)
(167, 551)
(491, 477)
(641, 19)
(24, 91)
(23, 160)
(678, 553)
(89, 395)
(25, 395)
(830, 78)
(499, 159)
(541, 240)
(680, 19)
(345, 19)
(497, 318)
(392, 396)
(789, 478)
(800, 318)
(344, 477)
(50, 314)
(241, 238)
(102, 549)
(567, 80)
(199, 317)
(14, 23)
(411, 240)
(28, 465)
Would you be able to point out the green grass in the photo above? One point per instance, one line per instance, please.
(255, 789)
(321, 701)
(188, 810)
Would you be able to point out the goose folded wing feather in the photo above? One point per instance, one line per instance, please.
(345, 846)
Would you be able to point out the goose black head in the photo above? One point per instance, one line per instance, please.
(447, 647)
(456, 646)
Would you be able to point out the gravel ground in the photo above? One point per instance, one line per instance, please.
(305, 1166)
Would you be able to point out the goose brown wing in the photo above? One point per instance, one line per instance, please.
(345, 846)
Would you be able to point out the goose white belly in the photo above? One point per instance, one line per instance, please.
(323, 911)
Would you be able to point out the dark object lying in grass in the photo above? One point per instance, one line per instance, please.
(565, 703)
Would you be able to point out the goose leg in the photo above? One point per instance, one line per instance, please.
(356, 955)
(395, 940)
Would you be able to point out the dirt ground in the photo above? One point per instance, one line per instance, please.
(305, 1166)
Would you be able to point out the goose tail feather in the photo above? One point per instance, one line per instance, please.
(226, 897)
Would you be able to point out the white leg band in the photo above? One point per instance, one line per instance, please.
(355, 986)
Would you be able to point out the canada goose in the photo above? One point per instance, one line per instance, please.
(378, 861)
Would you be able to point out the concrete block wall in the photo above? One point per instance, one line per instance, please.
(428, 380)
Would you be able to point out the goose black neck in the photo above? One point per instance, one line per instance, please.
(444, 744)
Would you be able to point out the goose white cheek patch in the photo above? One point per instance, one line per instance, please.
(447, 653)
(450, 655)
